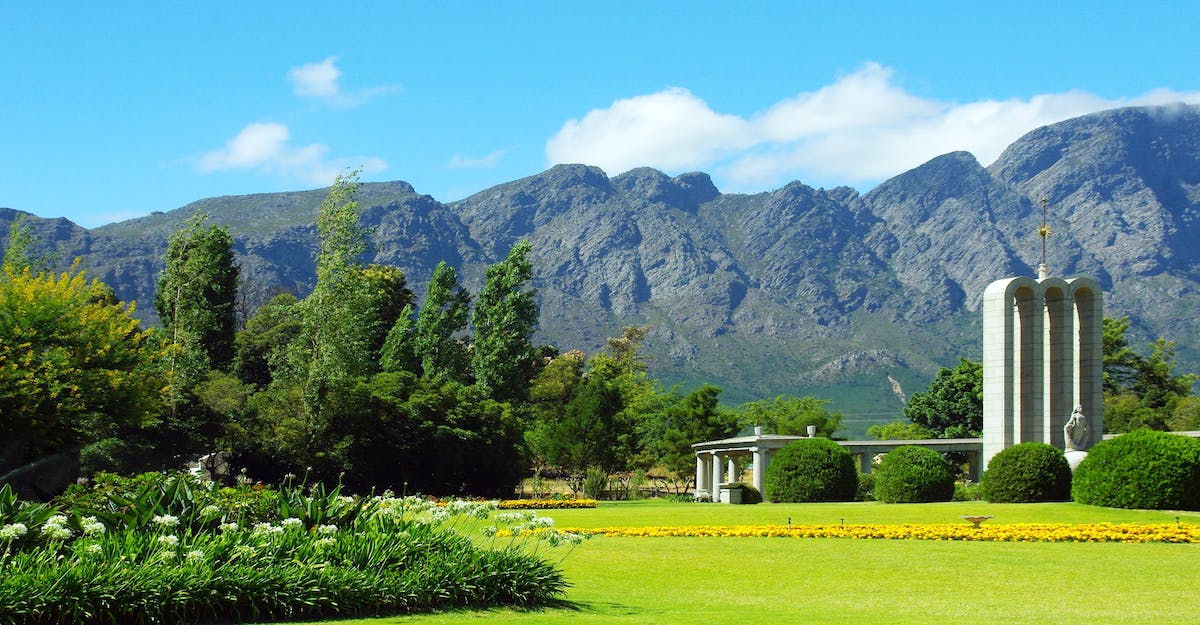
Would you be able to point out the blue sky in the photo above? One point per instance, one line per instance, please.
(112, 110)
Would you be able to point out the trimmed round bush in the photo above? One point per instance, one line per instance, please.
(1026, 473)
(1142, 469)
(911, 474)
(811, 469)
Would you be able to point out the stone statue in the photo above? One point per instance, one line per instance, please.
(1075, 432)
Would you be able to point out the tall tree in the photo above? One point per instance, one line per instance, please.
(504, 319)
(694, 418)
(952, 407)
(197, 295)
(440, 324)
(791, 415)
(75, 367)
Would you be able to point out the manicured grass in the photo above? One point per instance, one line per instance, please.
(668, 581)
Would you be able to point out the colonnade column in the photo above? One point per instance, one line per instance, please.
(716, 477)
(760, 468)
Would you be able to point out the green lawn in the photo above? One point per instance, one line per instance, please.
(750, 581)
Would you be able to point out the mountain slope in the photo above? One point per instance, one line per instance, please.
(853, 297)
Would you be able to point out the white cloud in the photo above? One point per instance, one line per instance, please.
(458, 161)
(320, 81)
(861, 129)
(316, 79)
(672, 129)
(266, 146)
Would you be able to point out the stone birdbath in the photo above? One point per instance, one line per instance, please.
(976, 520)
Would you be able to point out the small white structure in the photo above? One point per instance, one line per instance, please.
(716, 461)
(1042, 355)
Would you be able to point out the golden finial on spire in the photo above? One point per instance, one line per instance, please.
(1044, 233)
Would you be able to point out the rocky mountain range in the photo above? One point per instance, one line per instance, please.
(856, 298)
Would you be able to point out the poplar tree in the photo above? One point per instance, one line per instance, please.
(440, 323)
(196, 297)
(504, 318)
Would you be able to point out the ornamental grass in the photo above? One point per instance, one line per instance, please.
(1017, 532)
(168, 555)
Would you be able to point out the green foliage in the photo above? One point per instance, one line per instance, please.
(952, 407)
(866, 487)
(399, 348)
(790, 415)
(812, 469)
(1027, 473)
(670, 434)
(179, 550)
(505, 316)
(1141, 469)
(440, 324)
(1140, 392)
(911, 474)
(1185, 416)
(899, 431)
(968, 491)
(197, 291)
(75, 367)
(262, 346)
(592, 418)
(595, 483)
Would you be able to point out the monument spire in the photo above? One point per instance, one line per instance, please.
(1044, 233)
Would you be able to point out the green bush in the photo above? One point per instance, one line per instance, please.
(911, 474)
(866, 487)
(1141, 469)
(1027, 473)
(968, 491)
(811, 469)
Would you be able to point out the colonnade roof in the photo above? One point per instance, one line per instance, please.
(745, 444)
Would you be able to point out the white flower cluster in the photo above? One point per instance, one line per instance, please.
(166, 520)
(55, 528)
(228, 527)
(91, 526)
(327, 529)
(169, 540)
(266, 529)
(291, 522)
(13, 531)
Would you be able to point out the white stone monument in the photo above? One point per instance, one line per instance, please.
(1042, 356)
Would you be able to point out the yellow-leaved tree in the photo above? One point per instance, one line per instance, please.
(75, 366)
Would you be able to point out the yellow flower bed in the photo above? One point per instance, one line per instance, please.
(1017, 532)
(545, 504)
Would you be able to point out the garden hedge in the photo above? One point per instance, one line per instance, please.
(1143, 469)
(811, 469)
(1027, 473)
(911, 474)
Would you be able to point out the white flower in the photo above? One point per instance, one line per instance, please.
(94, 548)
(210, 510)
(229, 527)
(169, 540)
(327, 529)
(262, 529)
(55, 528)
(490, 531)
(325, 542)
(292, 522)
(13, 530)
(91, 526)
(195, 555)
(166, 520)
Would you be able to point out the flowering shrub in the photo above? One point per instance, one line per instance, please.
(545, 504)
(165, 555)
(1017, 532)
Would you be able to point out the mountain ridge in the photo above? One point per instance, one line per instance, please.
(794, 290)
